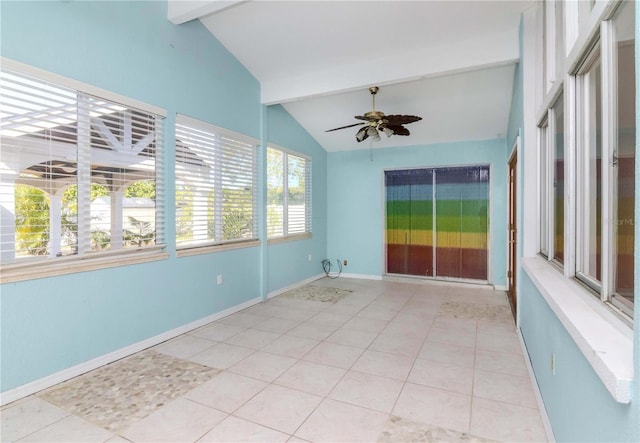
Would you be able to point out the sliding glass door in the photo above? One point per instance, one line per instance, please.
(448, 239)
(409, 222)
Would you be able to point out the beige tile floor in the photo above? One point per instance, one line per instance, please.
(375, 361)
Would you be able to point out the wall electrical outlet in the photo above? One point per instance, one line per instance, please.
(344, 262)
(309, 258)
(553, 364)
(219, 279)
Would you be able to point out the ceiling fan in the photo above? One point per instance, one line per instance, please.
(377, 122)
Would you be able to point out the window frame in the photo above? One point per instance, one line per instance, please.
(601, 47)
(286, 235)
(216, 185)
(583, 140)
(546, 181)
(87, 260)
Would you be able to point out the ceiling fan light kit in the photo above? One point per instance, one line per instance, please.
(376, 121)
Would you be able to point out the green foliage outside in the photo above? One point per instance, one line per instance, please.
(142, 234)
(184, 213)
(32, 220)
(145, 189)
(32, 224)
(237, 214)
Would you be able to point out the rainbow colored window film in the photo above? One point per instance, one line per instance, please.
(446, 239)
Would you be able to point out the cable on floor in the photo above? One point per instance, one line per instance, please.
(326, 265)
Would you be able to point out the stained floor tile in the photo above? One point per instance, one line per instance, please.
(399, 429)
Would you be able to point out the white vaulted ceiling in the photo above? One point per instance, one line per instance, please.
(451, 62)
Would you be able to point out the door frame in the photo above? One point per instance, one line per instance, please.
(512, 229)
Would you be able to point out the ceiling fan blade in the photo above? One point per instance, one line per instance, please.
(344, 127)
(398, 119)
(362, 117)
(362, 134)
(398, 129)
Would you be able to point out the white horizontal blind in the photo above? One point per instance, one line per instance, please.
(69, 160)
(216, 185)
(298, 200)
(128, 184)
(38, 150)
(288, 193)
(275, 192)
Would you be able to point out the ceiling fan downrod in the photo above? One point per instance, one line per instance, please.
(374, 90)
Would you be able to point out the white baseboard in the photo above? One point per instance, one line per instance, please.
(500, 288)
(50, 380)
(536, 390)
(361, 276)
(294, 285)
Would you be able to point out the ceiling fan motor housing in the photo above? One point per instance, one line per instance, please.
(374, 115)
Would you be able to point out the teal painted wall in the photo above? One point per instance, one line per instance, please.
(288, 262)
(130, 48)
(355, 196)
(579, 406)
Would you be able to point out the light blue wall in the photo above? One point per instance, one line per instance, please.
(130, 48)
(579, 406)
(355, 195)
(288, 262)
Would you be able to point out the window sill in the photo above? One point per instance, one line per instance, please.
(605, 341)
(188, 252)
(74, 264)
(286, 238)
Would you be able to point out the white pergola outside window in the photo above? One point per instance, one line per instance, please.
(79, 174)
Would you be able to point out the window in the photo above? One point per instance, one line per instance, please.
(288, 193)
(604, 179)
(623, 143)
(545, 165)
(216, 185)
(552, 183)
(557, 112)
(607, 193)
(589, 171)
(78, 173)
